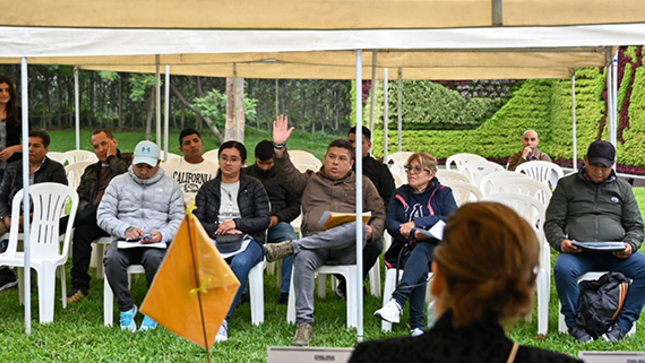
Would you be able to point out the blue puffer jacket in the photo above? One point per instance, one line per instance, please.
(155, 204)
(441, 202)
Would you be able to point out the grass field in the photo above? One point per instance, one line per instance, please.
(78, 335)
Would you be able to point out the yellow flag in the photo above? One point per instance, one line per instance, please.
(184, 279)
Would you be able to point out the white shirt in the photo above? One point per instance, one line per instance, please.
(190, 176)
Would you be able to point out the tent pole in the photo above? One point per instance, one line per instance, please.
(610, 99)
(386, 113)
(614, 108)
(400, 106)
(158, 99)
(359, 193)
(77, 110)
(573, 114)
(277, 98)
(24, 79)
(373, 89)
(237, 126)
(166, 116)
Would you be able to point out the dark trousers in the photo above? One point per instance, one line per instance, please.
(84, 234)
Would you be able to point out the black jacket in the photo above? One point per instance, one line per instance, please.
(380, 175)
(89, 184)
(50, 171)
(284, 204)
(251, 198)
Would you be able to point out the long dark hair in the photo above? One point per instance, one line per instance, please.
(13, 113)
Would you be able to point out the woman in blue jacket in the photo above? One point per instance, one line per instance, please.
(419, 204)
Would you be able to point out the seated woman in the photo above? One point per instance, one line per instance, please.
(234, 204)
(484, 276)
(419, 204)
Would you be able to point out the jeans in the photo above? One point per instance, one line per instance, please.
(116, 263)
(415, 272)
(279, 233)
(568, 267)
(337, 244)
(241, 264)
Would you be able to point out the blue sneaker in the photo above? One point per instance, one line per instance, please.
(148, 324)
(127, 319)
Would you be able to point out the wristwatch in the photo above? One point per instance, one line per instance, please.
(280, 146)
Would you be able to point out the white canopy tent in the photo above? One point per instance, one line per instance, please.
(40, 28)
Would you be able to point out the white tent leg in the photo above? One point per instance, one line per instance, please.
(235, 105)
(573, 115)
(373, 90)
(158, 100)
(25, 181)
(614, 108)
(166, 116)
(400, 107)
(386, 113)
(359, 192)
(77, 109)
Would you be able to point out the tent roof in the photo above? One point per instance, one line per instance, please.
(318, 14)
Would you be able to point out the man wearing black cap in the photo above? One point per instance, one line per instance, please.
(594, 206)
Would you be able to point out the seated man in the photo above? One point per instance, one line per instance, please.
(94, 181)
(380, 175)
(142, 204)
(333, 189)
(594, 206)
(41, 170)
(530, 152)
(285, 207)
(192, 170)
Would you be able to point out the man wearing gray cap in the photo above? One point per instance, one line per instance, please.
(593, 205)
(142, 210)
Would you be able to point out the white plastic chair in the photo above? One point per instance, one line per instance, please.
(59, 157)
(210, 153)
(461, 159)
(476, 170)
(97, 255)
(299, 153)
(542, 171)
(533, 211)
(213, 158)
(108, 295)
(75, 171)
(487, 181)
(388, 290)
(76, 156)
(525, 186)
(398, 181)
(447, 175)
(304, 162)
(170, 156)
(49, 201)
(350, 272)
(256, 290)
(464, 192)
(399, 157)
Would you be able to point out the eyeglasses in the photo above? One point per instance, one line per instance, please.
(417, 169)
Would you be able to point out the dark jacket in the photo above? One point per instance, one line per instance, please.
(50, 171)
(380, 176)
(441, 202)
(89, 184)
(284, 204)
(14, 131)
(483, 341)
(252, 200)
(578, 211)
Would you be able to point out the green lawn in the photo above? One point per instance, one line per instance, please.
(78, 335)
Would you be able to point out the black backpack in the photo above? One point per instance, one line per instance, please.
(600, 302)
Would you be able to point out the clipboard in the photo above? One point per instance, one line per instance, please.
(600, 246)
(333, 219)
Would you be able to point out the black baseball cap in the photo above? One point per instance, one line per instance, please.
(601, 152)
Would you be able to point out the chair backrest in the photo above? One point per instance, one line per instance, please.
(447, 175)
(398, 181)
(460, 159)
(209, 153)
(304, 162)
(49, 202)
(170, 155)
(476, 170)
(530, 208)
(525, 186)
(293, 153)
(75, 156)
(489, 180)
(59, 157)
(401, 156)
(464, 192)
(75, 171)
(398, 168)
(542, 171)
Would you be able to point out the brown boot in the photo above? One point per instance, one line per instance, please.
(304, 333)
(278, 251)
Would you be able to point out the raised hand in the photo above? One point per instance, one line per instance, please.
(281, 130)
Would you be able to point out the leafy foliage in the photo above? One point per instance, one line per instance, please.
(214, 106)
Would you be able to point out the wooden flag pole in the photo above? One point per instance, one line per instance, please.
(199, 294)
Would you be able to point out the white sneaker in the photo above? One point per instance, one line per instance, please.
(416, 332)
(391, 312)
(222, 333)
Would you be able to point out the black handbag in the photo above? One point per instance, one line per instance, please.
(227, 243)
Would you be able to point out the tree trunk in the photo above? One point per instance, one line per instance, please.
(182, 119)
(209, 122)
(230, 109)
(120, 110)
(151, 112)
(59, 89)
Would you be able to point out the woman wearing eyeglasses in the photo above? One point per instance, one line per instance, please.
(419, 204)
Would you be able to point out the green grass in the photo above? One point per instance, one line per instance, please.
(78, 335)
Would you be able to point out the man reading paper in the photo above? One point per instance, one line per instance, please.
(333, 188)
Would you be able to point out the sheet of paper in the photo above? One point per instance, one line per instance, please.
(435, 232)
(125, 244)
(333, 219)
